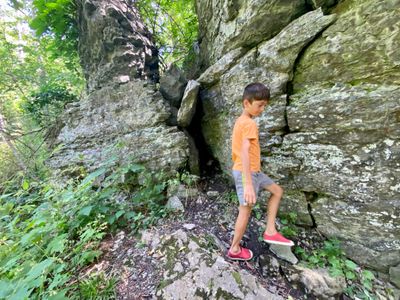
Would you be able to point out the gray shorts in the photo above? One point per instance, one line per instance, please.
(260, 180)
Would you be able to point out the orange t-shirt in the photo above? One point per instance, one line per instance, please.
(246, 128)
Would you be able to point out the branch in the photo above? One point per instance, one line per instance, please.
(14, 151)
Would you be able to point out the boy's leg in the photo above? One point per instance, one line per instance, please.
(271, 235)
(273, 206)
(240, 227)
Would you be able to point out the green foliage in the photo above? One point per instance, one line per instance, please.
(288, 221)
(173, 25)
(48, 103)
(57, 20)
(331, 256)
(48, 233)
(91, 290)
(27, 68)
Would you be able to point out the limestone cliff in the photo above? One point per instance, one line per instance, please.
(331, 135)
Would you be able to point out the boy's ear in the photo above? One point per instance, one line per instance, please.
(246, 102)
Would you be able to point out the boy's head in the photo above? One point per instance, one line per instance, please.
(256, 91)
(255, 98)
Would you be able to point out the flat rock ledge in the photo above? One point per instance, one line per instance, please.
(193, 269)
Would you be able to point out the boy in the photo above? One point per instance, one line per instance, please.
(247, 175)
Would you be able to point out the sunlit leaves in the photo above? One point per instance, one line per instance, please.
(174, 26)
(57, 18)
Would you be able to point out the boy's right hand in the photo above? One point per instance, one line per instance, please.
(249, 195)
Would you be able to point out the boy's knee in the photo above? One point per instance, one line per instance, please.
(245, 209)
(277, 191)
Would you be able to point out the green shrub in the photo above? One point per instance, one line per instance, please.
(48, 103)
(48, 232)
(331, 256)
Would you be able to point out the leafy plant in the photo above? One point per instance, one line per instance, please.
(174, 26)
(27, 67)
(98, 287)
(57, 19)
(331, 256)
(288, 222)
(48, 103)
(50, 232)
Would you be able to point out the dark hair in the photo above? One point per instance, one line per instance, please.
(256, 91)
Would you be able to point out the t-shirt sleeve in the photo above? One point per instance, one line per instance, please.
(249, 130)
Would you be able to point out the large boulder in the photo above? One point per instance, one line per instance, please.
(132, 115)
(122, 106)
(114, 44)
(172, 85)
(344, 131)
(331, 134)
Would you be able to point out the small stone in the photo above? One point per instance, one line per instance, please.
(189, 226)
(319, 283)
(284, 252)
(123, 79)
(175, 204)
(212, 194)
(178, 268)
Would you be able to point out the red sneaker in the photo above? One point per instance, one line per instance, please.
(277, 239)
(244, 254)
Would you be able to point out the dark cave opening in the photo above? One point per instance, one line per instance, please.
(208, 164)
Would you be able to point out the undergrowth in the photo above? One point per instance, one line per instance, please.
(50, 232)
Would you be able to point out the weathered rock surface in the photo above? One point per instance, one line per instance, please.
(271, 62)
(319, 283)
(361, 47)
(324, 4)
(344, 130)
(189, 102)
(394, 273)
(111, 115)
(122, 106)
(230, 24)
(191, 271)
(172, 85)
(114, 44)
(330, 135)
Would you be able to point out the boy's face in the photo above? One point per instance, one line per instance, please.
(255, 108)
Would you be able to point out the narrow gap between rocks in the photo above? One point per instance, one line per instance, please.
(208, 164)
(311, 197)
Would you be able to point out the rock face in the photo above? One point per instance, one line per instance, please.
(331, 134)
(123, 106)
(114, 44)
(229, 24)
(270, 62)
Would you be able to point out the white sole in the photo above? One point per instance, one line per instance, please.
(279, 243)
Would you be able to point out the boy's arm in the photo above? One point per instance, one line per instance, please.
(249, 195)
